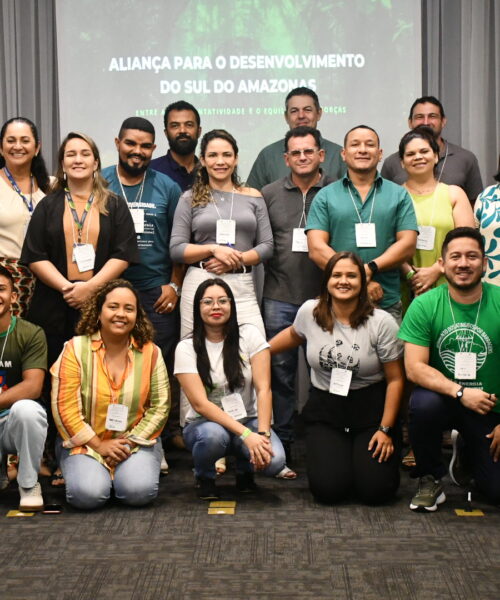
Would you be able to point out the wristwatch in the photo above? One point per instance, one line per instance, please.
(266, 434)
(460, 393)
(372, 265)
(386, 430)
(176, 288)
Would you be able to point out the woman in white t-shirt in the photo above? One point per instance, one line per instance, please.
(351, 417)
(219, 369)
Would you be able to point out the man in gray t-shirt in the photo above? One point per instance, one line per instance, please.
(456, 165)
(291, 277)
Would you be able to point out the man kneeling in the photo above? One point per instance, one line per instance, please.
(23, 421)
(452, 336)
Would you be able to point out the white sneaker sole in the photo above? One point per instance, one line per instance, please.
(439, 500)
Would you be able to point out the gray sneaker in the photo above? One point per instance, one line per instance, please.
(31, 498)
(430, 494)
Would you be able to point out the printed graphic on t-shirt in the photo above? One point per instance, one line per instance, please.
(3, 381)
(463, 337)
(338, 357)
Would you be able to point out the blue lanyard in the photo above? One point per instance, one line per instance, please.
(79, 222)
(29, 204)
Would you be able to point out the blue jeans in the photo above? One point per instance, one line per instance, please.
(278, 316)
(23, 432)
(209, 441)
(430, 415)
(89, 483)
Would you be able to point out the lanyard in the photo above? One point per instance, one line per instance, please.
(217, 209)
(28, 203)
(138, 196)
(444, 162)
(113, 387)
(6, 338)
(79, 222)
(303, 215)
(465, 347)
(356, 208)
(351, 355)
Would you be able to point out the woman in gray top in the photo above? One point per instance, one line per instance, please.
(220, 229)
(352, 437)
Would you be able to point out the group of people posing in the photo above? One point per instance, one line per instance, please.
(126, 280)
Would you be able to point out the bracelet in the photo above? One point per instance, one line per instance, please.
(245, 434)
(410, 274)
(176, 288)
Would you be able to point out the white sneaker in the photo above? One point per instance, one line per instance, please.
(163, 464)
(31, 498)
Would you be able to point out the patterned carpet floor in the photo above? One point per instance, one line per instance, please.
(279, 544)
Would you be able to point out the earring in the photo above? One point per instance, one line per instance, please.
(64, 175)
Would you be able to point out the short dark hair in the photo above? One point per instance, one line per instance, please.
(422, 132)
(303, 91)
(8, 275)
(463, 232)
(137, 123)
(180, 105)
(361, 127)
(429, 100)
(302, 131)
(497, 176)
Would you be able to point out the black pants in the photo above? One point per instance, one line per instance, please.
(338, 431)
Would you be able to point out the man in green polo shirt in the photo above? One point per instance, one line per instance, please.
(366, 214)
(23, 421)
(452, 345)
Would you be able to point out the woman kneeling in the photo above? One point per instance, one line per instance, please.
(110, 399)
(218, 369)
(352, 441)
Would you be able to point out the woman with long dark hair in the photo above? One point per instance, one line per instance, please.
(221, 229)
(352, 433)
(23, 183)
(219, 368)
(110, 400)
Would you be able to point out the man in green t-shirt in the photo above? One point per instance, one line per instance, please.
(452, 344)
(23, 421)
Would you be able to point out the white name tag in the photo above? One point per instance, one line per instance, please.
(138, 218)
(226, 231)
(340, 382)
(233, 406)
(84, 256)
(116, 418)
(299, 240)
(366, 236)
(426, 237)
(465, 365)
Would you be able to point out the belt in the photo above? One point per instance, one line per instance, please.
(244, 269)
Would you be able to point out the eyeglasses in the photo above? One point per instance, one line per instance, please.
(222, 301)
(298, 153)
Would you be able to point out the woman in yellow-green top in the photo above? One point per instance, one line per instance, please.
(439, 207)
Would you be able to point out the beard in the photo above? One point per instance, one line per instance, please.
(133, 171)
(465, 286)
(182, 144)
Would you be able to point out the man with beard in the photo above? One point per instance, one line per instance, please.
(152, 199)
(452, 344)
(456, 165)
(182, 129)
(366, 214)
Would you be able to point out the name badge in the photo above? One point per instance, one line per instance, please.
(233, 406)
(84, 256)
(366, 236)
(226, 231)
(117, 417)
(299, 240)
(426, 237)
(138, 219)
(340, 382)
(465, 365)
